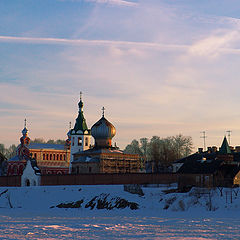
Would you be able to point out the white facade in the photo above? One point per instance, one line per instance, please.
(80, 141)
(29, 177)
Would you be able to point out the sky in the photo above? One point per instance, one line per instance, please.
(159, 67)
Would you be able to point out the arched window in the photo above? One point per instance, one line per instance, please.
(53, 156)
(35, 156)
(44, 156)
(27, 182)
(86, 141)
(57, 156)
(64, 157)
(50, 156)
(47, 156)
(15, 169)
(60, 157)
(73, 141)
(79, 141)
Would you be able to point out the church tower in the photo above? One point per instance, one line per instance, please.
(80, 135)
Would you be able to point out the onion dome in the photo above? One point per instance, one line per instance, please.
(25, 140)
(25, 132)
(103, 132)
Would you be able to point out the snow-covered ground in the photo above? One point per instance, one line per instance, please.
(109, 212)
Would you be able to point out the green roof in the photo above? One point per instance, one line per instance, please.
(225, 149)
(80, 121)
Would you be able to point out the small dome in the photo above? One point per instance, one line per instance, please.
(103, 132)
(80, 105)
(24, 131)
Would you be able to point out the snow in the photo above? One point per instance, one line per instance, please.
(31, 213)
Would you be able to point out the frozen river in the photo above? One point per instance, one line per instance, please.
(117, 227)
(29, 213)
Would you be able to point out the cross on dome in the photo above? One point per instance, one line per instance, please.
(103, 109)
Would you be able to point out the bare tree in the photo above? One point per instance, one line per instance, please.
(161, 151)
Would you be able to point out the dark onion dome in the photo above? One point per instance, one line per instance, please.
(103, 132)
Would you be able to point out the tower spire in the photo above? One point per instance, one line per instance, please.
(80, 104)
(25, 123)
(204, 140)
(103, 110)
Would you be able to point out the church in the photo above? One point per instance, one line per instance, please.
(102, 157)
(77, 155)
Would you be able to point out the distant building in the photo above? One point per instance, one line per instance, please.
(210, 168)
(76, 155)
(103, 157)
(50, 158)
(17, 164)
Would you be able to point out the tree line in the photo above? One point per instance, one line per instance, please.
(161, 152)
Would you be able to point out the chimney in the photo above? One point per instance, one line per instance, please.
(214, 149)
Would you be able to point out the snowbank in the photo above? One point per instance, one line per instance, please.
(105, 199)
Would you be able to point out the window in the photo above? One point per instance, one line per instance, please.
(27, 182)
(57, 156)
(44, 156)
(197, 179)
(21, 167)
(206, 179)
(60, 157)
(53, 156)
(86, 141)
(90, 169)
(15, 169)
(35, 155)
(79, 141)
(47, 156)
(73, 141)
(64, 157)
(50, 156)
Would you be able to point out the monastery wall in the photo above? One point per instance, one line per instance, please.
(96, 179)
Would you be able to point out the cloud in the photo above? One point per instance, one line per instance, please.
(112, 2)
(64, 41)
(216, 43)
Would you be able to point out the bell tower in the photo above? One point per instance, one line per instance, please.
(80, 135)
